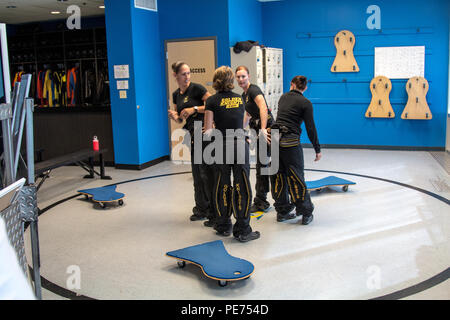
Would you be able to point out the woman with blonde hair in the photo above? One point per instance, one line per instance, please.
(226, 110)
(260, 119)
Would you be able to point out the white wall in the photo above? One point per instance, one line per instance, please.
(5, 62)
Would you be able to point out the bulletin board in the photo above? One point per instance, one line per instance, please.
(400, 62)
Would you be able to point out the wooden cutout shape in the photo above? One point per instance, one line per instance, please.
(344, 61)
(417, 106)
(380, 106)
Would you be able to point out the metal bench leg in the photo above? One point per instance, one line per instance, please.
(102, 168)
(91, 169)
(36, 259)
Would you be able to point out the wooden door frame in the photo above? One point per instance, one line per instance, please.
(167, 69)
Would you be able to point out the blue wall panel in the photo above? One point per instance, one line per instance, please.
(140, 134)
(306, 30)
(120, 52)
(245, 20)
(198, 18)
(150, 86)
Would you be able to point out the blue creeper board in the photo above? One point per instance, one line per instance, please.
(214, 260)
(317, 185)
(328, 182)
(103, 195)
(259, 214)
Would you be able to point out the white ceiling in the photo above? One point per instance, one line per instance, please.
(39, 10)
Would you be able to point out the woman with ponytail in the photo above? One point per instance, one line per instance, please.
(189, 104)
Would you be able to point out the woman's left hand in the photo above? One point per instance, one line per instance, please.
(266, 134)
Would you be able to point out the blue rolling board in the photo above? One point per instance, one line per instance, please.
(214, 260)
(328, 182)
(259, 214)
(103, 195)
(318, 185)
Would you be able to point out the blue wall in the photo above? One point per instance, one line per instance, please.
(340, 106)
(305, 30)
(199, 18)
(149, 74)
(133, 39)
(245, 21)
(123, 111)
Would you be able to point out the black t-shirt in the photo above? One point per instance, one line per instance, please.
(228, 110)
(293, 109)
(190, 98)
(250, 105)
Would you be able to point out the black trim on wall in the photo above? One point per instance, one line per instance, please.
(390, 148)
(142, 166)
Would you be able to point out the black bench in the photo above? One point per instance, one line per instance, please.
(42, 169)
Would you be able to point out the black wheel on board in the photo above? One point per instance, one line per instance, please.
(319, 190)
(103, 205)
(181, 264)
(345, 188)
(222, 283)
(86, 197)
(120, 202)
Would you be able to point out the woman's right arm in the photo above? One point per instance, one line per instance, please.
(209, 119)
(246, 119)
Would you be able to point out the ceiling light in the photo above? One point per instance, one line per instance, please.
(55, 12)
(101, 7)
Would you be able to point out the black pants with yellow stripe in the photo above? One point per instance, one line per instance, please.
(262, 186)
(203, 177)
(233, 199)
(290, 181)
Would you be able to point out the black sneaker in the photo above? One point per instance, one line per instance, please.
(197, 215)
(284, 217)
(307, 219)
(209, 223)
(291, 207)
(256, 207)
(249, 237)
(224, 233)
(299, 213)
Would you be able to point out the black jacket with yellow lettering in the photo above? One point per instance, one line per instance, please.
(228, 110)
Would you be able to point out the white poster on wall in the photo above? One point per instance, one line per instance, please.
(400, 62)
(121, 71)
(122, 84)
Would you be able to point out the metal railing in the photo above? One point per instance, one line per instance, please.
(16, 118)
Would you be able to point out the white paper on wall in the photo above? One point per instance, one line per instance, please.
(122, 84)
(121, 71)
(400, 62)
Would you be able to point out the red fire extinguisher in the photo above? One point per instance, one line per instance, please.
(95, 144)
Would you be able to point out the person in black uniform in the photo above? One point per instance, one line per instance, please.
(293, 110)
(260, 118)
(226, 109)
(189, 104)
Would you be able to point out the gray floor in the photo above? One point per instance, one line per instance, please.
(375, 239)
